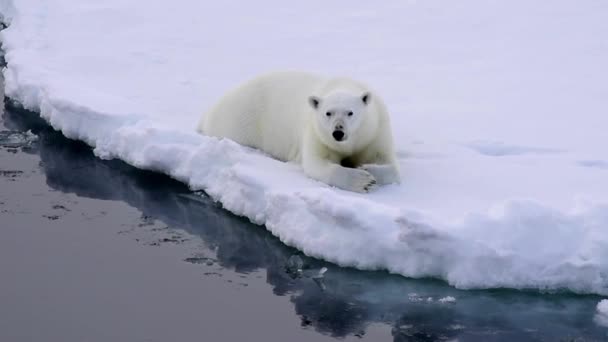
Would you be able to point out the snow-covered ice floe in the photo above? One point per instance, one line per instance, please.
(497, 108)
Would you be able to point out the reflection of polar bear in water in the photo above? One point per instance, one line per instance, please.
(336, 128)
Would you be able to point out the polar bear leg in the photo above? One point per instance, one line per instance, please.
(384, 174)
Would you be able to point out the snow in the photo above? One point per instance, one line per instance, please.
(601, 316)
(499, 112)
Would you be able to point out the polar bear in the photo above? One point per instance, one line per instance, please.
(337, 129)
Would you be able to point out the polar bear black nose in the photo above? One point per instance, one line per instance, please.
(338, 135)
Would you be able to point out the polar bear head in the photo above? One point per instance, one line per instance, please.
(344, 120)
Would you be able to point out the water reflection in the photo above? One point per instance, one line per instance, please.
(344, 301)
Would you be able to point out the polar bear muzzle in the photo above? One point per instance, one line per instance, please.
(338, 135)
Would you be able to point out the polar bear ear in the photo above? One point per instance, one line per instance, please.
(314, 102)
(366, 98)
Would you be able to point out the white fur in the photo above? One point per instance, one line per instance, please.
(285, 115)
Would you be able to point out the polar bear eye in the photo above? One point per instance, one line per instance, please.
(328, 113)
(350, 114)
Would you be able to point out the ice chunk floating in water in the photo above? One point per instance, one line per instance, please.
(521, 213)
(448, 299)
(10, 139)
(601, 317)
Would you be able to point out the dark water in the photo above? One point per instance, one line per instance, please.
(342, 303)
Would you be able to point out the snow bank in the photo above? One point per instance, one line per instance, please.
(499, 113)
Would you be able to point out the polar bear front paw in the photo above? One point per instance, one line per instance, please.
(356, 180)
(384, 174)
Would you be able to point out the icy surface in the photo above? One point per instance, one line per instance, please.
(499, 112)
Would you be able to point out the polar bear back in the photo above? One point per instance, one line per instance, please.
(267, 113)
